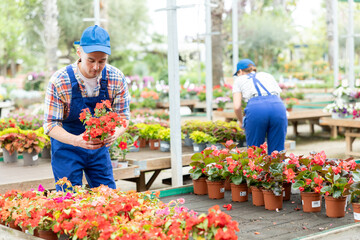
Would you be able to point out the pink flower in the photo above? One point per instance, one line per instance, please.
(181, 200)
(41, 188)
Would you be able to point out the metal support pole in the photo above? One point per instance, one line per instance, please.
(208, 62)
(351, 46)
(235, 34)
(174, 95)
(97, 12)
(336, 43)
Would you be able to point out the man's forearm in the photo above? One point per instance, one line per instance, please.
(238, 113)
(63, 136)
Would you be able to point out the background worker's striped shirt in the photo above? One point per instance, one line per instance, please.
(58, 95)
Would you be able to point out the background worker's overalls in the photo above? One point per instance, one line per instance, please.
(70, 161)
(265, 116)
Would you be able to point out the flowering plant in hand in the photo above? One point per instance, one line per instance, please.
(103, 123)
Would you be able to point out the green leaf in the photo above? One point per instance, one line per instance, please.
(298, 184)
(337, 194)
(237, 179)
(197, 157)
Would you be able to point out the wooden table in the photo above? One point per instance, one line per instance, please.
(153, 161)
(351, 126)
(312, 116)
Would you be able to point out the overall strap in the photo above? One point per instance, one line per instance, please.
(256, 82)
(74, 84)
(104, 94)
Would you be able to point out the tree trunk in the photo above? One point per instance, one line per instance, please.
(216, 42)
(13, 68)
(330, 32)
(51, 35)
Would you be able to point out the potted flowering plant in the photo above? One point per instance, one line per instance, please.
(221, 102)
(103, 123)
(120, 148)
(309, 180)
(338, 110)
(355, 195)
(290, 102)
(9, 144)
(30, 144)
(199, 139)
(215, 173)
(235, 169)
(150, 132)
(338, 175)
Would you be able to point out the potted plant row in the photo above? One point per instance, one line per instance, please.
(269, 177)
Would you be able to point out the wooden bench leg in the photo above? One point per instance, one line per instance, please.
(295, 124)
(152, 179)
(140, 182)
(334, 132)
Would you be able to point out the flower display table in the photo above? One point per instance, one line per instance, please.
(153, 161)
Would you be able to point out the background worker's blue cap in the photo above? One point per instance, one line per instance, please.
(95, 39)
(243, 64)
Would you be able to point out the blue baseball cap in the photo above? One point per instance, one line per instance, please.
(95, 39)
(243, 64)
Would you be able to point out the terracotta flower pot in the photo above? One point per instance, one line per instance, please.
(227, 184)
(257, 196)
(200, 186)
(142, 142)
(271, 201)
(216, 190)
(239, 193)
(49, 235)
(13, 226)
(335, 207)
(286, 191)
(356, 209)
(311, 201)
(154, 144)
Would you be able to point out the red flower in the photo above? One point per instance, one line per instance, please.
(301, 189)
(123, 145)
(136, 144)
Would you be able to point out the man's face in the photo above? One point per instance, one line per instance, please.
(91, 63)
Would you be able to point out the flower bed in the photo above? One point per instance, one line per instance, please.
(104, 213)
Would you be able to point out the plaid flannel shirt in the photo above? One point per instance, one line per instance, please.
(58, 95)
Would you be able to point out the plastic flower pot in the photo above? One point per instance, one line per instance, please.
(272, 202)
(311, 201)
(30, 159)
(164, 146)
(9, 158)
(335, 207)
(198, 147)
(188, 141)
(356, 209)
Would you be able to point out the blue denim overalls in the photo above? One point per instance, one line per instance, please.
(70, 161)
(265, 116)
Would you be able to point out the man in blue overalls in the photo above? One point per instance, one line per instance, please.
(81, 85)
(265, 113)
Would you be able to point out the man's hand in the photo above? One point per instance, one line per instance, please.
(92, 144)
(111, 139)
